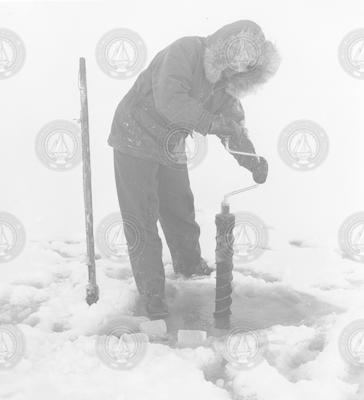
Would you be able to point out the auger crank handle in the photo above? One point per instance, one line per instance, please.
(225, 141)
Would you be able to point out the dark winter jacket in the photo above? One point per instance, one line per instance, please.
(181, 88)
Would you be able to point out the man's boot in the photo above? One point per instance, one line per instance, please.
(200, 269)
(155, 306)
(203, 269)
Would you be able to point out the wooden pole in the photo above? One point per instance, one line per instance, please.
(92, 290)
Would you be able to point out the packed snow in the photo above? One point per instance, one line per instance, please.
(302, 315)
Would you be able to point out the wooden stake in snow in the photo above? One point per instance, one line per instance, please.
(92, 290)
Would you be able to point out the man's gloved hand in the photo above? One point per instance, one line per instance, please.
(260, 170)
(224, 128)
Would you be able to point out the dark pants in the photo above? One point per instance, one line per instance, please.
(148, 192)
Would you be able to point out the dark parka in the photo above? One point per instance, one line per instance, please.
(174, 91)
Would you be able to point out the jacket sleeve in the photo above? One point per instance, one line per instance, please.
(232, 109)
(171, 84)
(243, 143)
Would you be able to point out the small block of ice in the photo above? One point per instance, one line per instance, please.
(191, 338)
(156, 328)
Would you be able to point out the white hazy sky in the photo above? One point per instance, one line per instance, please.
(310, 84)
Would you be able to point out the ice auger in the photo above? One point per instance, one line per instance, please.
(225, 223)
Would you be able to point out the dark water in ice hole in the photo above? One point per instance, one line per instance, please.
(191, 305)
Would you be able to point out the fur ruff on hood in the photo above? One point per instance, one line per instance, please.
(216, 60)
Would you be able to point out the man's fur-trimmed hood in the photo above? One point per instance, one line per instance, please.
(219, 54)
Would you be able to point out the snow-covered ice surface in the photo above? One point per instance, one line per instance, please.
(301, 292)
(300, 296)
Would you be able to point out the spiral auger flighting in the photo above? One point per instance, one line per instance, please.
(224, 266)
